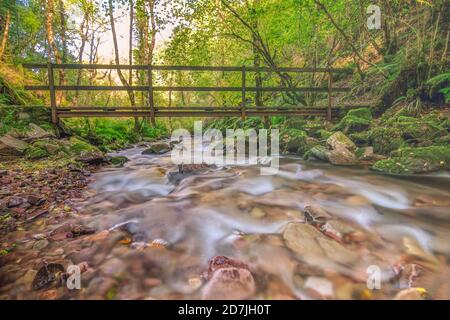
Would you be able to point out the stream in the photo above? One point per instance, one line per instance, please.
(312, 231)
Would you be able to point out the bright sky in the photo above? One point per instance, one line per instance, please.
(122, 20)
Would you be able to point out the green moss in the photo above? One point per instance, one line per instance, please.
(294, 141)
(119, 160)
(436, 154)
(363, 113)
(416, 160)
(386, 140)
(361, 139)
(351, 124)
(324, 134)
(34, 153)
(78, 146)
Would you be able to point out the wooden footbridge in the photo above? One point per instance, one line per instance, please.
(152, 111)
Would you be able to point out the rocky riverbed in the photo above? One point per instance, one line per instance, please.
(141, 229)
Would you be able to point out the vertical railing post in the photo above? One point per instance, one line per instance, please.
(150, 94)
(51, 85)
(330, 95)
(243, 115)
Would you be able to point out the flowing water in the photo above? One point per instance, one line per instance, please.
(157, 231)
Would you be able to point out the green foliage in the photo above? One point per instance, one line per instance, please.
(363, 113)
(113, 134)
(416, 160)
(385, 140)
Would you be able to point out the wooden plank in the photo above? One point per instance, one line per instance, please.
(116, 114)
(150, 94)
(51, 85)
(187, 68)
(243, 102)
(330, 96)
(195, 89)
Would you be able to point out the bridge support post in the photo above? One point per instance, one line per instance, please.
(150, 95)
(330, 95)
(243, 115)
(51, 85)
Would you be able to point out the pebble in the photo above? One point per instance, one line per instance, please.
(229, 284)
(40, 244)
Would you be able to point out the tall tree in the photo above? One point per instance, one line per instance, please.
(5, 33)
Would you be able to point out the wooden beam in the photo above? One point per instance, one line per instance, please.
(195, 89)
(243, 94)
(51, 85)
(187, 68)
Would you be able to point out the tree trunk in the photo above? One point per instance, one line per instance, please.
(83, 36)
(5, 34)
(130, 58)
(116, 54)
(52, 48)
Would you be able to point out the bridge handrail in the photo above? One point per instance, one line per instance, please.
(150, 88)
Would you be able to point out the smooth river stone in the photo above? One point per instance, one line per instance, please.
(229, 284)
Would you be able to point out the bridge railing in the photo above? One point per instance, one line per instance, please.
(153, 111)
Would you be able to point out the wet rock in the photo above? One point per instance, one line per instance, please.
(10, 146)
(36, 215)
(49, 274)
(40, 244)
(301, 238)
(220, 262)
(229, 284)
(78, 230)
(91, 157)
(15, 202)
(36, 133)
(35, 200)
(412, 294)
(257, 213)
(320, 287)
(318, 153)
(28, 278)
(119, 161)
(49, 295)
(342, 156)
(340, 140)
(157, 148)
(85, 152)
(337, 252)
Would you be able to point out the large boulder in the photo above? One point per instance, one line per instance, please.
(340, 140)
(318, 153)
(342, 156)
(230, 284)
(158, 148)
(416, 160)
(356, 120)
(10, 146)
(85, 152)
(36, 133)
(386, 139)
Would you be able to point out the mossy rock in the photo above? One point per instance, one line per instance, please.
(51, 146)
(34, 153)
(352, 124)
(317, 153)
(363, 113)
(292, 139)
(324, 134)
(85, 152)
(420, 131)
(386, 140)
(118, 161)
(361, 139)
(416, 160)
(338, 140)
